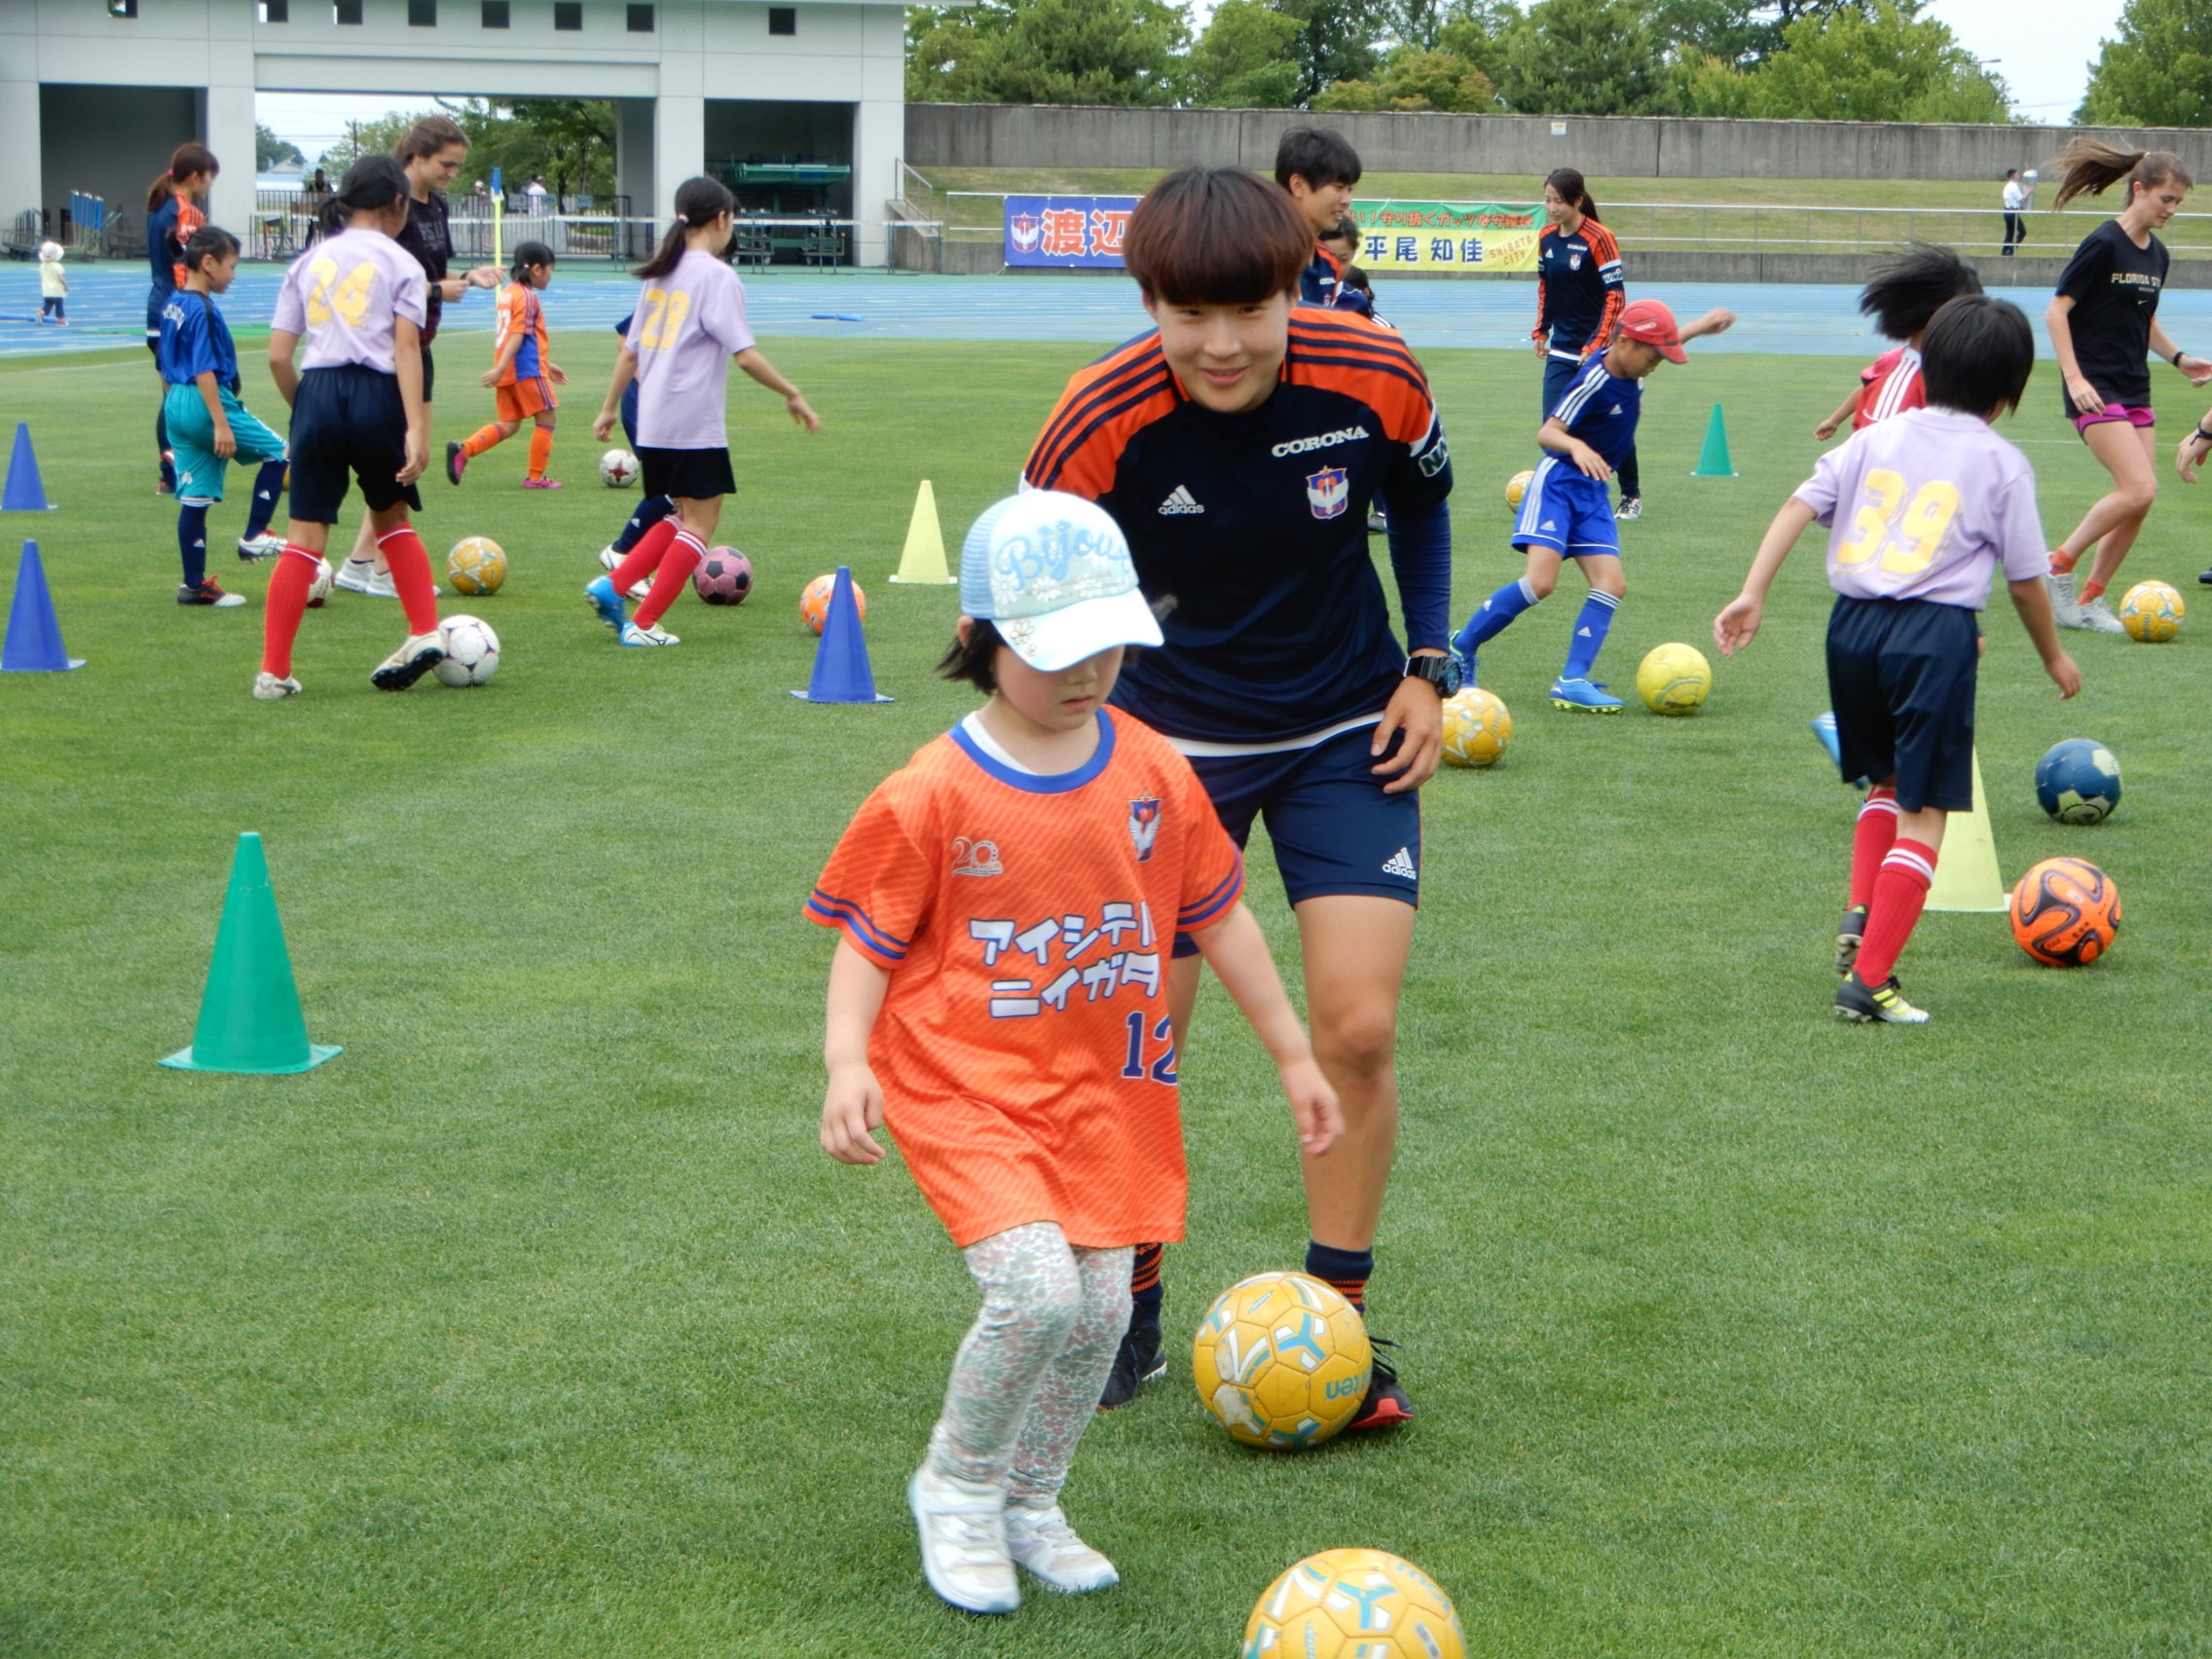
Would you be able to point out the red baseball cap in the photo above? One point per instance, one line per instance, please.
(1652, 324)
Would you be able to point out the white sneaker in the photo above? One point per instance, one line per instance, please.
(262, 546)
(360, 576)
(2063, 609)
(964, 1551)
(1043, 1543)
(415, 657)
(633, 635)
(610, 561)
(268, 689)
(2097, 617)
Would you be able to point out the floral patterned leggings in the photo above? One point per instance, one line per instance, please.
(1026, 1381)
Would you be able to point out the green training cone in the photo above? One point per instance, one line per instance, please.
(250, 1016)
(1713, 460)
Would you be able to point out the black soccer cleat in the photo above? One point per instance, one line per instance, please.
(1138, 1362)
(1875, 1005)
(1849, 935)
(456, 461)
(1385, 1405)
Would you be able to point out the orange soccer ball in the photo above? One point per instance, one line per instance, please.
(2065, 912)
(814, 603)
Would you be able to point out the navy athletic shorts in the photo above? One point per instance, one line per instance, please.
(1333, 828)
(347, 420)
(694, 474)
(1902, 678)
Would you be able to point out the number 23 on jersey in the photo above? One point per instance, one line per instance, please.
(1908, 535)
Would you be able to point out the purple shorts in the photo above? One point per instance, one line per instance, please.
(2133, 415)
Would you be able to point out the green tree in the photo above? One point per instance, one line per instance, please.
(1336, 41)
(1247, 59)
(1065, 52)
(2158, 72)
(1412, 79)
(270, 151)
(1888, 64)
(570, 141)
(1582, 57)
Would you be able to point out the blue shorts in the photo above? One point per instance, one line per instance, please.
(1566, 512)
(1333, 828)
(1902, 677)
(347, 420)
(200, 471)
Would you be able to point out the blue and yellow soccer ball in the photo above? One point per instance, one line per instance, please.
(2152, 611)
(1282, 1360)
(1354, 1604)
(1476, 727)
(2077, 782)
(1674, 679)
(1517, 487)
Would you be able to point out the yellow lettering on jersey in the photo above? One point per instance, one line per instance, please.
(348, 300)
(1922, 530)
(324, 271)
(1883, 492)
(664, 314)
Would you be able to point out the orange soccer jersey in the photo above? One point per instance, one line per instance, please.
(520, 309)
(1023, 1047)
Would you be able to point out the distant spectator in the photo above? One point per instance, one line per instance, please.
(535, 194)
(52, 285)
(316, 190)
(2018, 193)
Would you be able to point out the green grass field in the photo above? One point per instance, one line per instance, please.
(536, 1324)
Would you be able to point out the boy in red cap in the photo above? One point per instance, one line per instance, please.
(1568, 512)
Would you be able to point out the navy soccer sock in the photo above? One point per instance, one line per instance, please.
(1146, 1292)
(651, 511)
(162, 447)
(268, 485)
(191, 539)
(1589, 635)
(1491, 617)
(1348, 1271)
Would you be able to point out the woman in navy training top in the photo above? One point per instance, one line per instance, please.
(173, 214)
(1579, 295)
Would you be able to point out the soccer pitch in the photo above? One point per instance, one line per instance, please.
(538, 1324)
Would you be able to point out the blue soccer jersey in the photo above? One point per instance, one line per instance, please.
(195, 340)
(1601, 409)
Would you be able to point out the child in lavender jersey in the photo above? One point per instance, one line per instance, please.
(688, 325)
(1921, 510)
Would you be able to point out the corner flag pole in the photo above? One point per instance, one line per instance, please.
(499, 210)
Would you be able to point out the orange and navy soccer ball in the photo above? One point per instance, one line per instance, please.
(1354, 1604)
(724, 577)
(1282, 1360)
(814, 603)
(2065, 912)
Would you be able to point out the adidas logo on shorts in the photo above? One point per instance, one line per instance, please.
(1401, 863)
(1181, 501)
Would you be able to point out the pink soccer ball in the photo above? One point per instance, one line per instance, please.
(724, 577)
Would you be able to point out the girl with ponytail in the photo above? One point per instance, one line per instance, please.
(2104, 323)
(173, 214)
(1580, 296)
(689, 324)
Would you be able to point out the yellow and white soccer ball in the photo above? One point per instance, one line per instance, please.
(478, 566)
(1354, 1604)
(1517, 487)
(2152, 611)
(1282, 1360)
(1476, 727)
(1673, 679)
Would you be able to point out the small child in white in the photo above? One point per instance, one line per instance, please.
(52, 285)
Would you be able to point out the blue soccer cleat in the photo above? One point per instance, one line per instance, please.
(1584, 697)
(1466, 660)
(606, 602)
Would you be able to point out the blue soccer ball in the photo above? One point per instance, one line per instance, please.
(2077, 782)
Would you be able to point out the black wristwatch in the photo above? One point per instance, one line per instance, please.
(1440, 671)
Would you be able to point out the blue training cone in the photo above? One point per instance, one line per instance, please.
(23, 494)
(841, 673)
(34, 635)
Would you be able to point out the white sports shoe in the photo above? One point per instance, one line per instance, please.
(361, 577)
(2097, 617)
(964, 1549)
(2063, 609)
(262, 546)
(268, 689)
(1044, 1544)
(633, 635)
(415, 657)
(610, 561)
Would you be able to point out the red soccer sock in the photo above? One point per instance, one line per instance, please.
(683, 555)
(287, 602)
(2062, 562)
(1870, 842)
(410, 563)
(642, 560)
(540, 450)
(2088, 590)
(482, 439)
(1899, 892)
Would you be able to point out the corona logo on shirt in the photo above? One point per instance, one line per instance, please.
(1144, 825)
(975, 858)
(1320, 440)
(1026, 230)
(1328, 492)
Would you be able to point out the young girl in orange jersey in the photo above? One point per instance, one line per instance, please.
(1008, 902)
(523, 373)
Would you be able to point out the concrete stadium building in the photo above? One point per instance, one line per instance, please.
(95, 94)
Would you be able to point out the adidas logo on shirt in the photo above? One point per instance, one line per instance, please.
(1401, 863)
(1181, 501)
(1547, 524)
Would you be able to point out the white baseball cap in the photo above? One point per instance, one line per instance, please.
(1051, 573)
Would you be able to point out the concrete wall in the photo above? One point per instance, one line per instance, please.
(995, 135)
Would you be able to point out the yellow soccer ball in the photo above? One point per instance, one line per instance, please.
(1354, 1604)
(477, 565)
(1517, 487)
(1476, 728)
(2152, 611)
(1673, 679)
(1282, 1360)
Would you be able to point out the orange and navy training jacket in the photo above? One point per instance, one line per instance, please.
(1580, 291)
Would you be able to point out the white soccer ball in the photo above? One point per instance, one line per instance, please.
(472, 652)
(618, 470)
(318, 589)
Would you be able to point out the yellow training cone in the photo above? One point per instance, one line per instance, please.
(924, 558)
(1966, 866)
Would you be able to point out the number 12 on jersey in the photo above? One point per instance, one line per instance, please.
(1161, 1069)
